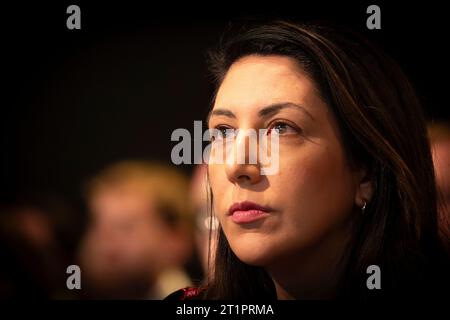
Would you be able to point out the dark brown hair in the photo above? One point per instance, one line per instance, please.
(382, 127)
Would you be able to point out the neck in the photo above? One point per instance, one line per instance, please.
(315, 272)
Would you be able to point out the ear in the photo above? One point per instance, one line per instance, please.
(364, 188)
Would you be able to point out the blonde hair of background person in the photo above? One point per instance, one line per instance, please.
(143, 207)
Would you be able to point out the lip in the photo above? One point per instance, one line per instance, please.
(247, 212)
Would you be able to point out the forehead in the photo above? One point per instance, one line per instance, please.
(254, 81)
(120, 202)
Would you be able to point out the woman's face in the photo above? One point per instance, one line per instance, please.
(312, 195)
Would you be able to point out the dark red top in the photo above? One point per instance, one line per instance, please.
(188, 293)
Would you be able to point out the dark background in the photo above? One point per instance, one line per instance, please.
(77, 100)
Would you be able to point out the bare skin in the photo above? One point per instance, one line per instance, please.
(302, 242)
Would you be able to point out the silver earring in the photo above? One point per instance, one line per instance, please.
(364, 207)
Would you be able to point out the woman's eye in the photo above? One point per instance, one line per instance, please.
(282, 128)
(225, 132)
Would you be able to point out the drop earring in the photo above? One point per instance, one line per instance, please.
(363, 208)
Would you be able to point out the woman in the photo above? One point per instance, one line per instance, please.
(355, 185)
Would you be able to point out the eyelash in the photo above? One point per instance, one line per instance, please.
(222, 128)
(279, 122)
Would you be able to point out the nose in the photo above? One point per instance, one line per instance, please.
(239, 171)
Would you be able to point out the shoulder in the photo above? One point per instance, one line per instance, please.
(188, 293)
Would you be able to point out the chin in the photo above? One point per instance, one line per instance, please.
(252, 251)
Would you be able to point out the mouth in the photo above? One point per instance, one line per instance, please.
(247, 212)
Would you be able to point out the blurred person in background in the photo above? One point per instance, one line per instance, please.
(139, 237)
(439, 133)
(38, 236)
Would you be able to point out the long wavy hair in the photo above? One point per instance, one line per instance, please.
(383, 128)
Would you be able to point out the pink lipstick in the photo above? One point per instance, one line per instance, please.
(247, 212)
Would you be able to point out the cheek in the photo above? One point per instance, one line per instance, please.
(316, 187)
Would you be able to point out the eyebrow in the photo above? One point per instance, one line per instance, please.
(263, 113)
